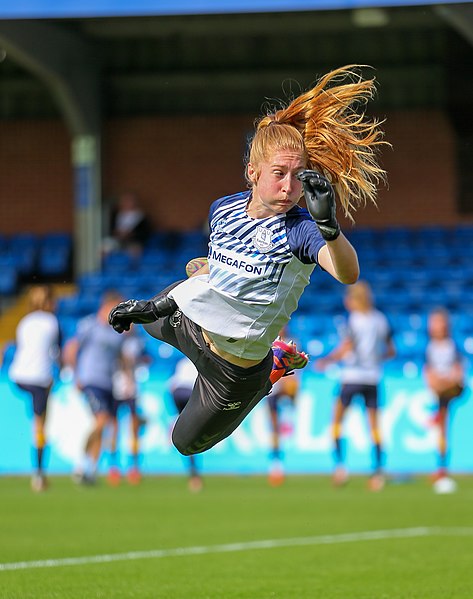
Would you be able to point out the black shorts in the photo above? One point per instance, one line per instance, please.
(39, 395)
(368, 392)
(223, 393)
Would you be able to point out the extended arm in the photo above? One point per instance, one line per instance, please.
(140, 312)
(338, 257)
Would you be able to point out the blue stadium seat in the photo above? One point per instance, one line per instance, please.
(396, 234)
(8, 279)
(77, 306)
(432, 234)
(461, 323)
(303, 325)
(118, 262)
(320, 346)
(23, 240)
(4, 242)
(55, 254)
(360, 237)
(196, 241)
(92, 282)
(68, 326)
(54, 261)
(410, 345)
(25, 247)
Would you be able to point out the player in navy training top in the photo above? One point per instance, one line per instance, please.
(262, 250)
(95, 353)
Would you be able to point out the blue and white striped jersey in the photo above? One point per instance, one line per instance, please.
(258, 271)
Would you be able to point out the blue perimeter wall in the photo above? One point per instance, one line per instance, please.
(410, 440)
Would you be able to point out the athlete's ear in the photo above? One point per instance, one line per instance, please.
(252, 174)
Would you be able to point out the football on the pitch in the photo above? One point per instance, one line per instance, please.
(445, 485)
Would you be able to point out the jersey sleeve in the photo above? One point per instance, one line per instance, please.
(217, 203)
(305, 239)
(213, 207)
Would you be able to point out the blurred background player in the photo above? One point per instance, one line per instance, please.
(284, 390)
(125, 395)
(367, 343)
(94, 354)
(444, 374)
(32, 369)
(181, 385)
(130, 226)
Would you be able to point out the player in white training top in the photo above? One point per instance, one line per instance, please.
(445, 376)
(32, 369)
(366, 345)
(262, 250)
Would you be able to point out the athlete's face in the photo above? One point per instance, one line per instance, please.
(275, 187)
(438, 325)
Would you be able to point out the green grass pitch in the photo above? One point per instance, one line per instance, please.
(238, 538)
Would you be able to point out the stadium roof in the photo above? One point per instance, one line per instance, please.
(27, 9)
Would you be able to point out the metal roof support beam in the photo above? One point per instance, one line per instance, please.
(70, 68)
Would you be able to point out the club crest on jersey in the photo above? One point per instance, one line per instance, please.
(262, 239)
(220, 224)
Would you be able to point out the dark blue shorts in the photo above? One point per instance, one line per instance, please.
(100, 400)
(273, 400)
(368, 392)
(39, 395)
(120, 403)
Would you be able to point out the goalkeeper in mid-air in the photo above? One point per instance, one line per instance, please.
(262, 249)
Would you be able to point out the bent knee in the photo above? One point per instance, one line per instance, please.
(192, 446)
(181, 445)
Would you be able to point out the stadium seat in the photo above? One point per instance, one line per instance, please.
(8, 280)
(410, 345)
(53, 261)
(195, 241)
(25, 247)
(3, 243)
(55, 254)
(68, 326)
(118, 262)
(77, 306)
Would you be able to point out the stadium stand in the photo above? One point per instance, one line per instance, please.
(25, 257)
(411, 271)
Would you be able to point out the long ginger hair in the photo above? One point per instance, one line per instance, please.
(328, 126)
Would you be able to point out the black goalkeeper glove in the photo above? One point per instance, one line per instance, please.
(320, 200)
(140, 312)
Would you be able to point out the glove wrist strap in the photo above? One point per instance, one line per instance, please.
(163, 306)
(329, 232)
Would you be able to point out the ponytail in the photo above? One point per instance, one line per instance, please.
(329, 126)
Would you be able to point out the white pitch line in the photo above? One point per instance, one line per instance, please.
(374, 535)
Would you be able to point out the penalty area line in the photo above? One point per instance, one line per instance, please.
(373, 535)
